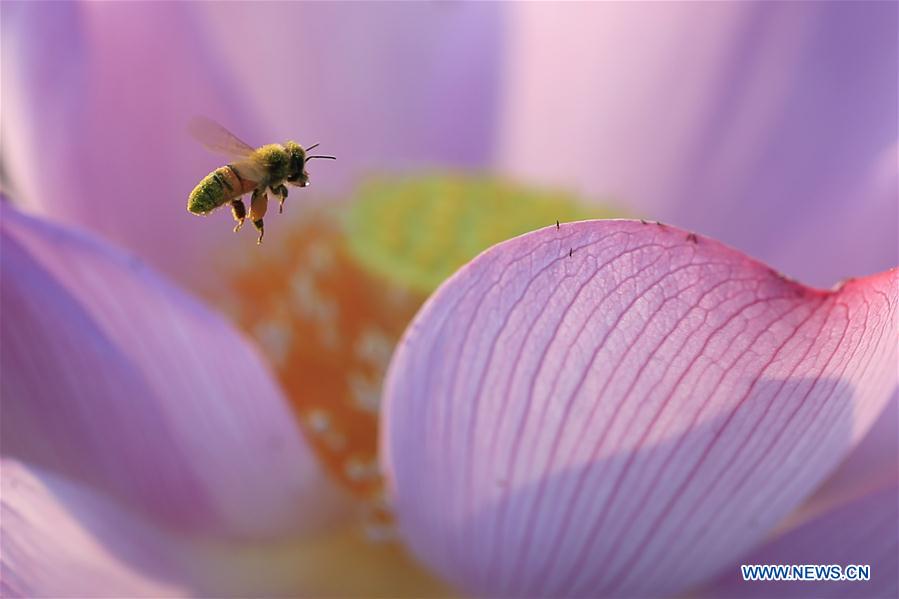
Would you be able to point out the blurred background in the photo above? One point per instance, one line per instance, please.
(772, 127)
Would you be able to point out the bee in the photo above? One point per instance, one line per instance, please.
(257, 170)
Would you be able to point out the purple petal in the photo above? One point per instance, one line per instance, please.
(619, 408)
(51, 542)
(115, 99)
(377, 86)
(768, 125)
(873, 464)
(382, 86)
(858, 532)
(114, 377)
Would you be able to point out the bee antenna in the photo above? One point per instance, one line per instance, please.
(328, 157)
(312, 146)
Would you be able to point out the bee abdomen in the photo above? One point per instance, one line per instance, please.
(218, 187)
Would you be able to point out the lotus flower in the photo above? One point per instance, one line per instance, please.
(603, 408)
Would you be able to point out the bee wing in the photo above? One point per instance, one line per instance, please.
(221, 141)
(249, 170)
(218, 139)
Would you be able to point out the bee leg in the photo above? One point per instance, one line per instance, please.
(258, 204)
(261, 228)
(281, 192)
(258, 207)
(239, 210)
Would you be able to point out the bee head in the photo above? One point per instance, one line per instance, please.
(297, 174)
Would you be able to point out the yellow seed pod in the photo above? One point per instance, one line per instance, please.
(418, 230)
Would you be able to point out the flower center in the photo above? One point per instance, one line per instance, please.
(328, 298)
(328, 328)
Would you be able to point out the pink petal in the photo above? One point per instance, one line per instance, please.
(627, 419)
(61, 540)
(859, 532)
(768, 125)
(114, 377)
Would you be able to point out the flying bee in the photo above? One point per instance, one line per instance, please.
(257, 170)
